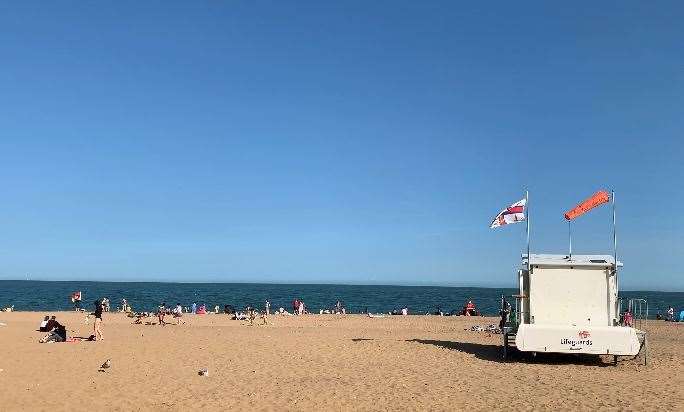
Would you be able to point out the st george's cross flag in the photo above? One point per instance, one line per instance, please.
(512, 214)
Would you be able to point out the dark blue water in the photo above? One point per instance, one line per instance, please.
(146, 296)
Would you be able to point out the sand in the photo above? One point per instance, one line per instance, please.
(320, 362)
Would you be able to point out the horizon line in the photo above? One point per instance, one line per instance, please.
(439, 285)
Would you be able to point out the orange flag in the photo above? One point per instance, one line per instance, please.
(597, 199)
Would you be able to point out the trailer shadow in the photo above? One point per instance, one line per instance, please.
(493, 353)
(490, 353)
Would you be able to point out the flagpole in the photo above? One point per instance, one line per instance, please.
(527, 218)
(612, 194)
(570, 237)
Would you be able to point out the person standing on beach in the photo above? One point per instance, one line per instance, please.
(97, 326)
(160, 314)
(194, 308)
(76, 300)
(178, 313)
(268, 307)
(670, 314)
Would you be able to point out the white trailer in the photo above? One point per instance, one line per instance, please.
(571, 305)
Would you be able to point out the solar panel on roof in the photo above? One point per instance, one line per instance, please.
(597, 261)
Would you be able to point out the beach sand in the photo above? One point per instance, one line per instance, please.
(319, 362)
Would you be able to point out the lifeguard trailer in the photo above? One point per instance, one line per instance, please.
(570, 304)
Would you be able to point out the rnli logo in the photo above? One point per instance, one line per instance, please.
(583, 334)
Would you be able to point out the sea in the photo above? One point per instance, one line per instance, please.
(47, 296)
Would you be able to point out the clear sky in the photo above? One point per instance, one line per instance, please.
(351, 142)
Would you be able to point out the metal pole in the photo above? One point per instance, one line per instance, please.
(615, 255)
(570, 237)
(527, 218)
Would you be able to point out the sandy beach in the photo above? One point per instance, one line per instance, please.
(319, 362)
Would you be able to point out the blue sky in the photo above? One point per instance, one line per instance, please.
(355, 142)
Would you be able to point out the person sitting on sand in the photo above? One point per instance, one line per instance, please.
(469, 309)
(57, 333)
(43, 324)
(51, 324)
(178, 313)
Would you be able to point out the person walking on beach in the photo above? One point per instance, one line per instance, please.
(97, 326)
(160, 314)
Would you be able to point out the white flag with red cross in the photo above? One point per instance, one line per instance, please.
(512, 214)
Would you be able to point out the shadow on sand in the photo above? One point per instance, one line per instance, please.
(481, 351)
(493, 353)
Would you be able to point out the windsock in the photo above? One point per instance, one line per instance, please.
(597, 199)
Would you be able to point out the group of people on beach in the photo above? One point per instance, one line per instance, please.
(299, 307)
(57, 332)
(163, 311)
(670, 315)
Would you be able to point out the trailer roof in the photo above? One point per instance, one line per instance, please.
(577, 260)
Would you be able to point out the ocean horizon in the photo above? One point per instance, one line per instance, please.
(53, 295)
(333, 283)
